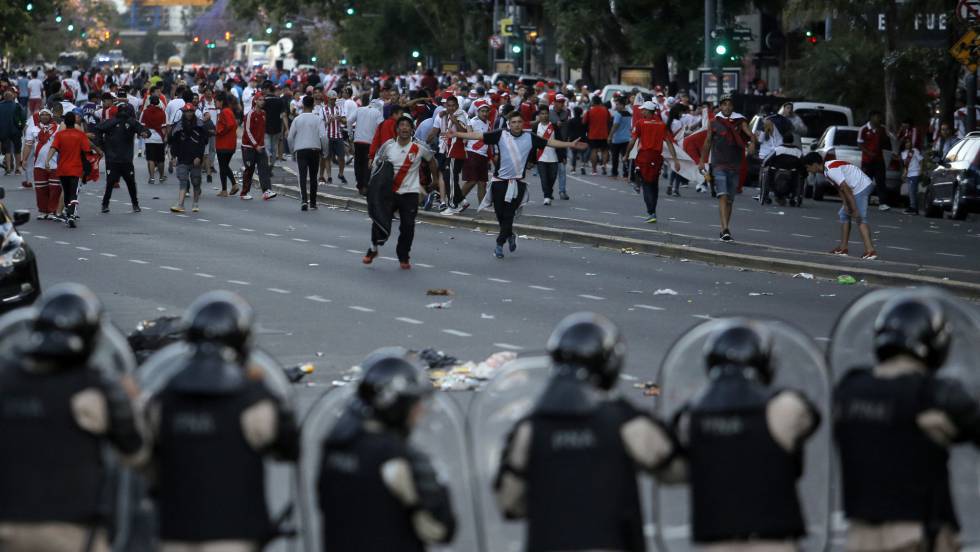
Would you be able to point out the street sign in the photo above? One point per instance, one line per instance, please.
(507, 26)
(496, 42)
(967, 50)
(529, 28)
(968, 11)
(743, 34)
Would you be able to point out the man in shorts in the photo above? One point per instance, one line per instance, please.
(854, 187)
(188, 142)
(476, 168)
(726, 143)
(598, 120)
(154, 119)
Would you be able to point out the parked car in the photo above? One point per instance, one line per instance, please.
(19, 281)
(508, 78)
(610, 89)
(818, 117)
(840, 142)
(954, 185)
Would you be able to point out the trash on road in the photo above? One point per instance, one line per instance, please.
(468, 376)
(759, 293)
(440, 291)
(665, 291)
(846, 280)
(436, 359)
(804, 275)
(650, 389)
(444, 305)
(629, 251)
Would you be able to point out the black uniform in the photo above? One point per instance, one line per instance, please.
(116, 138)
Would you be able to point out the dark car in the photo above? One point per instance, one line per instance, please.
(19, 282)
(954, 184)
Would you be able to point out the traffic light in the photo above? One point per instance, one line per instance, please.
(721, 43)
(289, 24)
(57, 17)
(227, 35)
(351, 10)
(84, 34)
(106, 35)
(268, 30)
(197, 39)
(313, 59)
(207, 41)
(29, 6)
(810, 37)
(416, 54)
(343, 61)
(517, 48)
(71, 27)
(532, 37)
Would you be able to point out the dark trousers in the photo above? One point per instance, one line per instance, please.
(224, 168)
(506, 210)
(362, 172)
(407, 207)
(308, 164)
(876, 171)
(252, 158)
(69, 191)
(548, 172)
(617, 152)
(115, 171)
(651, 191)
(451, 169)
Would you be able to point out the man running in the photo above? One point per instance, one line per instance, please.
(726, 145)
(476, 168)
(508, 189)
(70, 145)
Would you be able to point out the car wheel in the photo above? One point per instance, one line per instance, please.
(958, 210)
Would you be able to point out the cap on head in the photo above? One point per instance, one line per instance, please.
(591, 342)
(915, 327)
(741, 344)
(332, 94)
(649, 106)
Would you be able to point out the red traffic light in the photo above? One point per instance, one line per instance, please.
(197, 39)
(812, 40)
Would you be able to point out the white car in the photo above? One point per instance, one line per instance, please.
(610, 89)
(818, 117)
(840, 142)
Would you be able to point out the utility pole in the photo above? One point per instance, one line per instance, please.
(709, 25)
(971, 100)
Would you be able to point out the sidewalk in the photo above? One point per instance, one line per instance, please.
(605, 212)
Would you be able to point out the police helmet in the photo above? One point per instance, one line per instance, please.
(592, 342)
(913, 326)
(220, 318)
(741, 344)
(391, 386)
(66, 328)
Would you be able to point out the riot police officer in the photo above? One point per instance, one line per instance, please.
(213, 424)
(742, 441)
(377, 493)
(569, 467)
(894, 423)
(57, 411)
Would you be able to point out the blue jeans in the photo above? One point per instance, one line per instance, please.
(913, 182)
(561, 178)
(726, 182)
(861, 203)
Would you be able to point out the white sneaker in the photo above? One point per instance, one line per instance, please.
(269, 195)
(883, 207)
(246, 197)
(448, 212)
(547, 201)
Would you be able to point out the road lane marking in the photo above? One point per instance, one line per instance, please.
(203, 275)
(950, 255)
(460, 273)
(757, 230)
(801, 235)
(328, 246)
(508, 346)
(59, 242)
(271, 235)
(457, 333)
(317, 299)
(278, 290)
(171, 268)
(703, 316)
(811, 218)
(246, 230)
(238, 282)
(408, 320)
(649, 307)
(38, 237)
(360, 308)
(542, 288)
(354, 251)
(423, 265)
(592, 297)
(898, 248)
(107, 255)
(137, 261)
(499, 280)
(609, 213)
(202, 220)
(889, 227)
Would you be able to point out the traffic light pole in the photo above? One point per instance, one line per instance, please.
(709, 25)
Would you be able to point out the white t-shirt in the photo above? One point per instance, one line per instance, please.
(36, 88)
(173, 109)
(912, 161)
(476, 125)
(442, 123)
(247, 94)
(838, 172)
(549, 155)
(32, 137)
(349, 106)
(209, 110)
(397, 154)
(364, 121)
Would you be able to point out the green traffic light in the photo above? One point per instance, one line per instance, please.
(809, 33)
(30, 6)
(343, 61)
(516, 48)
(313, 59)
(721, 49)
(71, 27)
(57, 19)
(350, 11)
(416, 54)
(289, 24)
(268, 30)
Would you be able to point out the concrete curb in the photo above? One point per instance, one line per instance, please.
(737, 260)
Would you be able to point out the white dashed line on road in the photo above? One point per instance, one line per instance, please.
(246, 230)
(542, 288)
(203, 275)
(171, 268)
(271, 235)
(592, 297)
(801, 235)
(300, 240)
(460, 273)
(360, 308)
(457, 333)
(649, 307)
(757, 230)
(138, 261)
(59, 242)
(499, 280)
(202, 220)
(354, 251)
(317, 299)
(423, 265)
(328, 246)
(277, 290)
(951, 255)
(898, 248)
(238, 282)
(508, 346)
(110, 255)
(408, 320)
(609, 213)
(703, 316)
(811, 218)
(38, 237)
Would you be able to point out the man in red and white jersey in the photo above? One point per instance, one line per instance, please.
(254, 155)
(47, 187)
(406, 156)
(854, 187)
(476, 168)
(335, 122)
(452, 151)
(154, 119)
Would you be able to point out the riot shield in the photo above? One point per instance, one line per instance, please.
(852, 345)
(440, 434)
(798, 365)
(153, 375)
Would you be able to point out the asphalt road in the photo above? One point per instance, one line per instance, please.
(316, 302)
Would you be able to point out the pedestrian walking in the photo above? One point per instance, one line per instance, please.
(452, 151)
(598, 120)
(619, 136)
(546, 158)
(117, 135)
(225, 140)
(275, 108)
(154, 119)
(651, 133)
(70, 145)
(37, 143)
(911, 159)
(396, 188)
(307, 138)
(334, 122)
(854, 187)
(577, 131)
(188, 142)
(254, 153)
(873, 138)
(507, 188)
(726, 144)
(560, 116)
(362, 125)
(12, 121)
